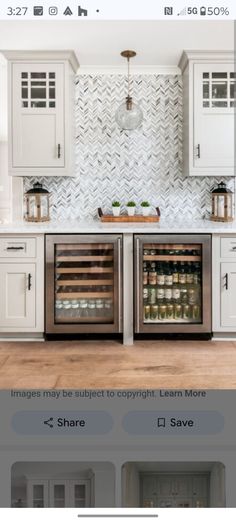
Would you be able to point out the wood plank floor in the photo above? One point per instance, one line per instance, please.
(108, 364)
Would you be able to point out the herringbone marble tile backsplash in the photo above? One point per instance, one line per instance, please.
(145, 164)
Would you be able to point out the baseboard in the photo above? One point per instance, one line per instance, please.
(22, 337)
(218, 336)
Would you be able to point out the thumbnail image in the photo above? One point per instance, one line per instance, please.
(173, 484)
(62, 485)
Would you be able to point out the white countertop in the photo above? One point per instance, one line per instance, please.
(95, 226)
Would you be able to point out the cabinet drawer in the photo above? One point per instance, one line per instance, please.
(228, 247)
(17, 247)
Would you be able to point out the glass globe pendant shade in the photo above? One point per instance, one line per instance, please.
(129, 116)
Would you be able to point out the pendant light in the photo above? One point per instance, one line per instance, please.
(129, 115)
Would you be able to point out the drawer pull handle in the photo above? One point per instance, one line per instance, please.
(198, 151)
(226, 281)
(233, 248)
(12, 248)
(59, 151)
(29, 281)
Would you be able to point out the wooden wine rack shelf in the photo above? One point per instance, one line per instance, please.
(80, 282)
(172, 258)
(195, 247)
(83, 270)
(85, 258)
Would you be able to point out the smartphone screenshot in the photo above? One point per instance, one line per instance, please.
(117, 261)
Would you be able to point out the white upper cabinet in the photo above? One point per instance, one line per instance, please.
(41, 113)
(209, 106)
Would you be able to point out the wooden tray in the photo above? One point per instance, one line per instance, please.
(126, 218)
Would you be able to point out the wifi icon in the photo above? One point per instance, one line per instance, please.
(183, 12)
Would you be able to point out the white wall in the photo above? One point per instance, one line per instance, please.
(5, 181)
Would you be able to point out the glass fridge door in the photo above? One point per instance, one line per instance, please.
(84, 283)
(172, 283)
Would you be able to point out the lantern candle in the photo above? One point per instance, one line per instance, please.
(37, 204)
(222, 204)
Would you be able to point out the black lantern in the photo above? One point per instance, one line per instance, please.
(222, 204)
(37, 204)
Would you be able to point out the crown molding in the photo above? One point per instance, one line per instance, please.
(135, 70)
(208, 56)
(30, 56)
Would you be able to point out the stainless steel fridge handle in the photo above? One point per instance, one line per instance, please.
(137, 284)
(119, 285)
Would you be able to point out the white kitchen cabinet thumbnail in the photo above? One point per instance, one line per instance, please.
(58, 493)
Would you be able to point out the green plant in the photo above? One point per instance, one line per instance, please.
(116, 203)
(145, 203)
(131, 203)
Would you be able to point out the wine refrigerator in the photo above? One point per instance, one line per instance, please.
(83, 284)
(172, 284)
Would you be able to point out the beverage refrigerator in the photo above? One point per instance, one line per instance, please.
(83, 284)
(172, 283)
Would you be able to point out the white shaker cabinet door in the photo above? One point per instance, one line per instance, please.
(38, 116)
(228, 294)
(18, 295)
(213, 129)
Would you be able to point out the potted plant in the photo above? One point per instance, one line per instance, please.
(131, 208)
(116, 208)
(145, 205)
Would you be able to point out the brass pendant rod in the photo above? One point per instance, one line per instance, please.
(128, 76)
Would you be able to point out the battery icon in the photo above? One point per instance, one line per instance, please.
(203, 11)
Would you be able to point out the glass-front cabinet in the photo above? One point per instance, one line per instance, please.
(214, 108)
(38, 115)
(83, 283)
(60, 493)
(173, 291)
(165, 490)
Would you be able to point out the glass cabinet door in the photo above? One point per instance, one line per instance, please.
(37, 494)
(38, 89)
(173, 284)
(172, 279)
(58, 499)
(218, 89)
(84, 283)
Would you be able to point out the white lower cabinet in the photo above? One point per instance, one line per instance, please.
(58, 493)
(21, 284)
(224, 283)
(17, 298)
(228, 294)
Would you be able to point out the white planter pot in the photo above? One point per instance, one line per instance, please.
(146, 211)
(131, 211)
(116, 211)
